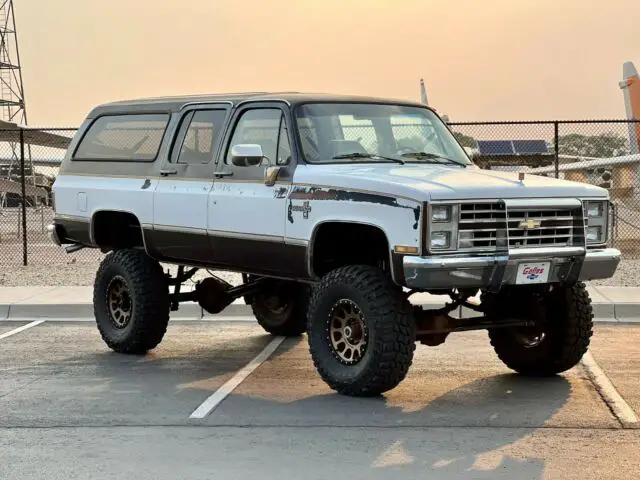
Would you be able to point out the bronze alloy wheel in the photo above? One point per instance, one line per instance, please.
(119, 302)
(361, 333)
(348, 332)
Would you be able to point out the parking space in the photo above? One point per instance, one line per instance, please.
(458, 411)
(6, 327)
(617, 351)
(458, 384)
(61, 373)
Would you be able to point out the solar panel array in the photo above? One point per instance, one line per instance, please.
(512, 147)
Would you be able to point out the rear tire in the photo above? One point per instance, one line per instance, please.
(281, 309)
(131, 301)
(557, 344)
(361, 331)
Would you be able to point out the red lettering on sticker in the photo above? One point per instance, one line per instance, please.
(533, 270)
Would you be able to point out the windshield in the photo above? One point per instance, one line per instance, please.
(368, 132)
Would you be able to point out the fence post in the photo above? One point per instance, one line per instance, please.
(24, 199)
(556, 147)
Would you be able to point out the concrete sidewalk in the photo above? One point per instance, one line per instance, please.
(611, 304)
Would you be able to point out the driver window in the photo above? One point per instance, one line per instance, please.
(258, 126)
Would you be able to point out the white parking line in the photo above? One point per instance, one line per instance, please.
(613, 399)
(214, 400)
(20, 329)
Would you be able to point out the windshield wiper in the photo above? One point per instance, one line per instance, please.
(366, 155)
(432, 155)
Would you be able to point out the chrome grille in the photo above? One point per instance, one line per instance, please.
(480, 224)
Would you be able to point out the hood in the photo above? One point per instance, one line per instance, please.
(442, 182)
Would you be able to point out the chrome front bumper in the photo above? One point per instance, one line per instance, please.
(567, 265)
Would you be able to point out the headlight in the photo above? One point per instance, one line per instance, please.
(594, 234)
(442, 230)
(440, 240)
(597, 221)
(594, 209)
(441, 213)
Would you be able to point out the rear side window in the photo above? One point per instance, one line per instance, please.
(123, 137)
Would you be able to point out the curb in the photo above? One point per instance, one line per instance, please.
(604, 313)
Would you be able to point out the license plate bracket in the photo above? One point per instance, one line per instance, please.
(532, 273)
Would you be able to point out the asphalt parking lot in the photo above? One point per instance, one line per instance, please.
(70, 408)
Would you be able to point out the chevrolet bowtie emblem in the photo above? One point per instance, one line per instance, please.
(529, 224)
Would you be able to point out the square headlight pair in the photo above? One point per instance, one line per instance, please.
(443, 227)
(597, 221)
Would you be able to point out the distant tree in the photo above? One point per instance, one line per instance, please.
(602, 145)
(465, 140)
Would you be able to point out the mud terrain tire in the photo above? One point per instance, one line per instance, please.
(131, 301)
(567, 334)
(282, 312)
(364, 299)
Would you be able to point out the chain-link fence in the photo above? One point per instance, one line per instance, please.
(603, 153)
(29, 162)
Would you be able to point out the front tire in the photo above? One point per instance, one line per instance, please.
(361, 332)
(555, 345)
(131, 301)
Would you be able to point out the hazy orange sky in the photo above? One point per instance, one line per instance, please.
(481, 59)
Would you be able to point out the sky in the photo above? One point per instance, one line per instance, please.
(480, 59)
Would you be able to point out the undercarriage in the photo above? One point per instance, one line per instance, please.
(433, 326)
(361, 328)
(213, 294)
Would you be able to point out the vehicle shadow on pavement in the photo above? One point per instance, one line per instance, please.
(189, 362)
(516, 404)
(88, 384)
(449, 433)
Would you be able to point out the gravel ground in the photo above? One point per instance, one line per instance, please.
(83, 274)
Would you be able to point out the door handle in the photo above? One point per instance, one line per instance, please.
(222, 174)
(167, 172)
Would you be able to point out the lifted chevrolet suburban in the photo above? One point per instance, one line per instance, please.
(336, 210)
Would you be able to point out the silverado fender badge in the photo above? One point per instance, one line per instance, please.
(305, 208)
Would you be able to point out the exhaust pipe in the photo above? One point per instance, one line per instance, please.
(74, 248)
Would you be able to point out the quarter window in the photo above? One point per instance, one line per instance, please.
(123, 137)
(284, 147)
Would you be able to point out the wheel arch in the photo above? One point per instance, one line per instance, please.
(345, 222)
(124, 214)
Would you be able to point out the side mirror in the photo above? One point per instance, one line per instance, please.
(246, 155)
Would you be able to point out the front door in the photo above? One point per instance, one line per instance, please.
(181, 197)
(246, 216)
